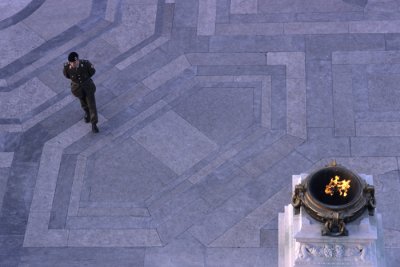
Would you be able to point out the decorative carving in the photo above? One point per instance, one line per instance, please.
(334, 227)
(318, 252)
(369, 192)
(297, 198)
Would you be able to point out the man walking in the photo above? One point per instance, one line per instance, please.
(80, 72)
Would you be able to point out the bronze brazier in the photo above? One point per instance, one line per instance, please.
(336, 209)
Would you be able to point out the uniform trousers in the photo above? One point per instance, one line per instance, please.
(88, 101)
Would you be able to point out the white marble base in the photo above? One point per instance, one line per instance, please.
(301, 243)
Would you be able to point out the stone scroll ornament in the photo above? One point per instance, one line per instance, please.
(331, 252)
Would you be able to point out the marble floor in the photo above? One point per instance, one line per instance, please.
(206, 110)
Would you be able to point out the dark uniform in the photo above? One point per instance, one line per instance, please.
(82, 87)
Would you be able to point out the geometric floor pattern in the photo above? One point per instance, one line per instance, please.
(206, 110)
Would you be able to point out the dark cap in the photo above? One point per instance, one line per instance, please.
(73, 56)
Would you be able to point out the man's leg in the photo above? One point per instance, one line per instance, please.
(91, 101)
(85, 107)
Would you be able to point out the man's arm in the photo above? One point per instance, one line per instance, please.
(91, 69)
(65, 70)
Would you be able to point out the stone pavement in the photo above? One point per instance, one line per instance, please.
(207, 107)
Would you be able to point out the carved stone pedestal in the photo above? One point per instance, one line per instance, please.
(302, 245)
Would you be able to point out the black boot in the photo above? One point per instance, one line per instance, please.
(87, 117)
(94, 128)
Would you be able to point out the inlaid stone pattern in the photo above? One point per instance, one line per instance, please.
(206, 110)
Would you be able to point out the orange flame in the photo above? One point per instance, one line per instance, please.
(337, 186)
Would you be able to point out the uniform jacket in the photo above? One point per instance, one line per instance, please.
(80, 77)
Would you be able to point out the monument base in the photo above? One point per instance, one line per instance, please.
(302, 245)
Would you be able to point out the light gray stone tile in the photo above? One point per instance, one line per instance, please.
(271, 155)
(360, 88)
(77, 186)
(367, 165)
(114, 211)
(243, 235)
(80, 256)
(379, 68)
(321, 47)
(49, 11)
(47, 112)
(296, 108)
(294, 61)
(331, 16)
(3, 83)
(88, 205)
(198, 176)
(185, 13)
(169, 71)
(51, 238)
(292, 6)
(207, 17)
(316, 28)
(383, 116)
(392, 259)
(387, 189)
(223, 218)
(98, 53)
(383, 93)
(219, 112)
(377, 146)
(249, 29)
(10, 8)
(286, 144)
(108, 222)
(181, 221)
(374, 26)
(96, 145)
(47, 179)
(239, 257)
(175, 142)
(135, 181)
(269, 238)
(171, 193)
(174, 202)
(114, 238)
(321, 144)
(111, 10)
(4, 174)
(223, 183)
(256, 43)
(16, 103)
(16, 41)
(343, 101)
(124, 100)
(225, 59)
(264, 160)
(141, 53)
(366, 57)
(377, 128)
(52, 77)
(139, 118)
(6, 159)
(38, 235)
(244, 6)
(392, 237)
(183, 251)
(255, 143)
(138, 23)
(246, 233)
(266, 102)
(319, 94)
